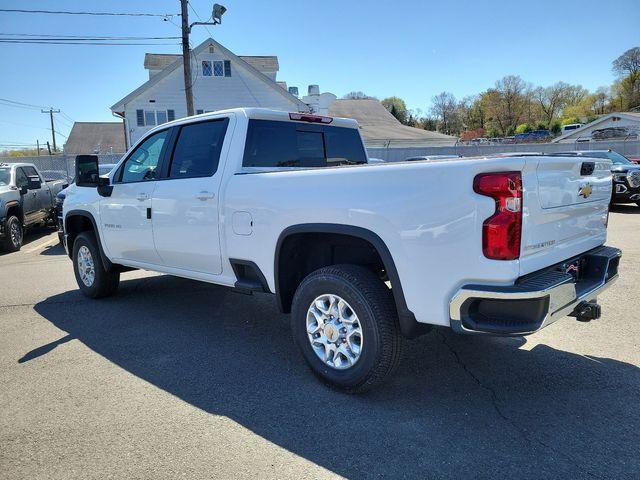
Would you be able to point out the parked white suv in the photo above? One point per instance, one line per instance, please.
(361, 254)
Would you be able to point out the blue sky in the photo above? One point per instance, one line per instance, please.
(412, 49)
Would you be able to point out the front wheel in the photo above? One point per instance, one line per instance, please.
(14, 234)
(93, 279)
(345, 323)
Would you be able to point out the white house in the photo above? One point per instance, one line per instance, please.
(220, 79)
(614, 126)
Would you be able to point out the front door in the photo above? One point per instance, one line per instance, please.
(185, 204)
(126, 215)
(29, 199)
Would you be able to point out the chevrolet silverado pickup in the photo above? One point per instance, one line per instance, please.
(26, 200)
(361, 254)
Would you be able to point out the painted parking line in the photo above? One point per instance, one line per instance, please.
(47, 243)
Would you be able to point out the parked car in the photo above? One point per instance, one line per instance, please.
(103, 169)
(431, 157)
(361, 256)
(626, 174)
(26, 200)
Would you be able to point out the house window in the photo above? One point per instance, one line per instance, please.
(227, 68)
(161, 117)
(206, 68)
(149, 117)
(218, 69)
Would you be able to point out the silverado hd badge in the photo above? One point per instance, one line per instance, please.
(585, 190)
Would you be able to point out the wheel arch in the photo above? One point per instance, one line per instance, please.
(284, 290)
(78, 221)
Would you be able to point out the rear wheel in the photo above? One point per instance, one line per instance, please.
(94, 281)
(14, 234)
(345, 323)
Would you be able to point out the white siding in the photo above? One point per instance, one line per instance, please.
(242, 89)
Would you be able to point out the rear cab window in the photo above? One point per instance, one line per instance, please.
(273, 144)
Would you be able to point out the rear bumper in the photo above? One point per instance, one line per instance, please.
(536, 300)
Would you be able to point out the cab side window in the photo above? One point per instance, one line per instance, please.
(142, 164)
(197, 150)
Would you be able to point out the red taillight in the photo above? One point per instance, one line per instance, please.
(304, 117)
(501, 232)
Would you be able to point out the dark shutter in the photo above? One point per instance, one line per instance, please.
(171, 115)
(227, 68)
(140, 117)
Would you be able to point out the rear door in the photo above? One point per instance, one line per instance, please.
(126, 215)
(565, 206)
(186, 201)
(44, 201)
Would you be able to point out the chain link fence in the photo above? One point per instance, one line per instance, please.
(57, 167)
(395, 154)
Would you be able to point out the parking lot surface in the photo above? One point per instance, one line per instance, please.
(173, 378)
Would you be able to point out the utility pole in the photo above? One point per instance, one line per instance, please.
(186, 56)
(38, 146)
(216, 19)
(48, 147)
(51, 111)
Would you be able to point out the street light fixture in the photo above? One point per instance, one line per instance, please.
(216, 16)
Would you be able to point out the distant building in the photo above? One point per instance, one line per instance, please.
(95, 137)
(380, 129)
(614, 126)
(220, 78)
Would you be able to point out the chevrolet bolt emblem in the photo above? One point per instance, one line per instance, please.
(585, 191)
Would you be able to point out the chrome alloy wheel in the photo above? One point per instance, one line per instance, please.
(334, 331)
(15, 233)
(86, 268)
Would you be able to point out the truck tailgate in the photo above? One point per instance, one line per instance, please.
(565, 206)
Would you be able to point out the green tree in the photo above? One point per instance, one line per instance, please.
(397, 107)
(523, 128)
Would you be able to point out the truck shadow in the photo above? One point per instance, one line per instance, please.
(458, 406)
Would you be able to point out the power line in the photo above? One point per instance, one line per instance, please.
(65, 12)
(21, 104)
(26, 42)
(34, 37)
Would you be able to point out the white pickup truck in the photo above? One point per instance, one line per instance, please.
(360, 254)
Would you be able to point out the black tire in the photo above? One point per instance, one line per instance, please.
(105, 283)
(372, 302)
(11, 244)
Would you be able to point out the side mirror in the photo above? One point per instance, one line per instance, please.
(23, 190)
(87, 172)
(34, 183)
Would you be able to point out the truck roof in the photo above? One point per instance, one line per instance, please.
(266, 114)
(17, 164)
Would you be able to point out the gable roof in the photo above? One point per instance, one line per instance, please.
(378, 125)
(634, 116)
(87, 137)
(262, 63)
(171, 67)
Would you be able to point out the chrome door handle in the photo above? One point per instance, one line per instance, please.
(205, 196)
(142, 196)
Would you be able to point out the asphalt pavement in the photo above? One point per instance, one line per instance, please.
(173, 378)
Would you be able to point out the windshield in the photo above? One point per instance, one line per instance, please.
(5, 175)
